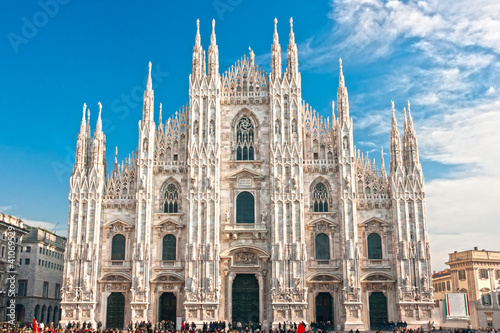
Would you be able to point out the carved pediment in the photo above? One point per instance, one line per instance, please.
(168, 278)
(115, 278)
(485, 290)
(319, 277)
(374, 223)
(118, 226)
(245, 173)
(378, 278)
(323, 224)
(168, 225)
(238, 250)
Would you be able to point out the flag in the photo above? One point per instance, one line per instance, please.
(300, 329)
(35, 326)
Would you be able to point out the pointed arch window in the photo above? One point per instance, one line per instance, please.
(374, 246)
(245, 139)
(322, 247)
(169, 247)
(245, 208)
(320, 198)
(171, 201)
(118, 247)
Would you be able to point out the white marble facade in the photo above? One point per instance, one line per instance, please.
(247, 136)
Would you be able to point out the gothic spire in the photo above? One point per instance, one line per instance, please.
(197, 39)
(98, 128)
(160, 120)
(292, 63)
(396, 160)
(410, 145)
(342, 97)
(275, 54)
(115, 169)
(383, 173)
(149, 86)
(213, 54)
(198, 65)
(148, 101)
(82, 124)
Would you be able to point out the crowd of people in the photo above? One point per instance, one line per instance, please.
(209, 327)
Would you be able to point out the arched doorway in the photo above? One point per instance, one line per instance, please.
(168, 307)
(115, 311)
(44, 311)
(378, 310)
(56, 316)
(324, 308)
(245, 299)
(49, 315)
(20, 313)
(37, 313)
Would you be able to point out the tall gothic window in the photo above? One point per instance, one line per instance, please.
(169, 247)
(118, 247)
(374, 246)
(245, 208)
(322, 247)
(320, 198)
(171, 203)
(245, 140)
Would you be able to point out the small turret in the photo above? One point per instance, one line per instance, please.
(213, 55)
(292, 62)
(275, 54)
(395, 140)
(342, 97)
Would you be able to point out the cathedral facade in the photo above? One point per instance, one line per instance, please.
(247, 206)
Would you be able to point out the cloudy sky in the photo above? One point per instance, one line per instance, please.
(443, 56)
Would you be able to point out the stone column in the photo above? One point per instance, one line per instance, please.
(230, 279)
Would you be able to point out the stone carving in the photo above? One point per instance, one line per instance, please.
(228, 216)
(69, 283)
(86, 282)
(245, 258)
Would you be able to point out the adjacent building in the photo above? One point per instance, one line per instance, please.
(12, 231)
(247, 205)
(441, 281)
(41, 266)
(477, 273)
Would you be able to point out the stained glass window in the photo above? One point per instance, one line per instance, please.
(169, 247)
(245, 208)
(245, 140)
(171, 204)
(322, 247)
(374, 246)
(118, 247)
(320, 198)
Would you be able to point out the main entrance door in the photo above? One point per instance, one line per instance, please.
(378, 310)
(168, 307)
(246, 299)
(115, 311)
(324, 308)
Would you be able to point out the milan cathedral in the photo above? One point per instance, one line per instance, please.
(247, 206)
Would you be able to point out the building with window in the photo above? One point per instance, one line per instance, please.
(441, 281)
(12, 231)
(247, 205)
(41, 266)
(477, 273)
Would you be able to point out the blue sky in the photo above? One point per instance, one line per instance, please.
(441, 55)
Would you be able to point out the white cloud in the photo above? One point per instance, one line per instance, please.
(59, 229)
(462, 211)
(491, 91)
(5, 208)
